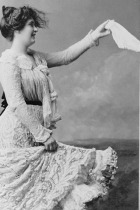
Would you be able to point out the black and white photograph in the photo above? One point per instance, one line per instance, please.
(69, 104)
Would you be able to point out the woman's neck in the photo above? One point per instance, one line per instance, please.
(19, 48)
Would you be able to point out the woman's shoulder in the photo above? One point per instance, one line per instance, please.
(22, 61)
(11, 57)
(8, 57)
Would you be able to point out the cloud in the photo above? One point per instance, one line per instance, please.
(106, 104)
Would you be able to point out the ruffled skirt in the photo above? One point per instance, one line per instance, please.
(33, 179)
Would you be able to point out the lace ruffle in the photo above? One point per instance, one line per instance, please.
(97, 185)
(106, 167)
(8, 57)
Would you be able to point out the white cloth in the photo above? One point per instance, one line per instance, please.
(122, 37)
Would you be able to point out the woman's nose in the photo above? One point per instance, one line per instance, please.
(35, 29)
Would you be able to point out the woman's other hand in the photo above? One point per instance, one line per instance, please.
(51, 145)
(100, 31)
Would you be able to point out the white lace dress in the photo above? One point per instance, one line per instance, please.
(30, 177)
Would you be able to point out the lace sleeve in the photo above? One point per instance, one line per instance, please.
(71, 53)
(10, 78)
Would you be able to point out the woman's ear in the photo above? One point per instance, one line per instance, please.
(16, 32)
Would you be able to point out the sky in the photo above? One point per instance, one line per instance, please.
(99, 92)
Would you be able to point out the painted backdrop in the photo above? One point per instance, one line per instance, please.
(98, 93)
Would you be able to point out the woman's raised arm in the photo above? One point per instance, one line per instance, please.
(76, 50)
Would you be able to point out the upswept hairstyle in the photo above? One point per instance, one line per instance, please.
(16, 18)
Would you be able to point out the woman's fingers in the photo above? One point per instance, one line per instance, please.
(101, 31)
(51, 147)
(102, 26)
(55, 145)
(105, 33)
(47, 147)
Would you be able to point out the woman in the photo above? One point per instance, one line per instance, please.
(36, 171)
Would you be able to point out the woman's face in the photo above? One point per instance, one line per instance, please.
(28, 33)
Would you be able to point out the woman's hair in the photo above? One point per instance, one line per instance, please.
(16, 18)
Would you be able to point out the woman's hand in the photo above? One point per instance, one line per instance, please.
(100, 31)
(51, 145)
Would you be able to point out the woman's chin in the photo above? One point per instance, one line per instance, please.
(33, 39)
(32, 42)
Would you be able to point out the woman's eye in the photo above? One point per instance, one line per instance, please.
(32, 24)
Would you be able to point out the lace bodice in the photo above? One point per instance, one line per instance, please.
(21, 81)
